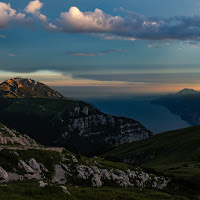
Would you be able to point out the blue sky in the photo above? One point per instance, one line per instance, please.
(137, 46)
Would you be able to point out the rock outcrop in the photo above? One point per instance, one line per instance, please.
(11, 137)
(79, 174)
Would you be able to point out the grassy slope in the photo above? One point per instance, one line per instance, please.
(172, 153)
(29, 190)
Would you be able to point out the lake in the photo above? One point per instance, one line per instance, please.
(154, 117)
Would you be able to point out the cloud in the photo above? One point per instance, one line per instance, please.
(2, 36)
(33, 7)
(9, 15)
(76, 21)
(12, 55)
(132, 27)
(102, 53)
(144, 78)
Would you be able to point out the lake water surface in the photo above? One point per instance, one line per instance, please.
(156, 118)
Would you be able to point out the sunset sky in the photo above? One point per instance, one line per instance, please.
(114, 47)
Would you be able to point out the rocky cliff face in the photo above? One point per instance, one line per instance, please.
(21, 88)
(101, 129)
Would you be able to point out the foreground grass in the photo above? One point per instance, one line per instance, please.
(29, 190)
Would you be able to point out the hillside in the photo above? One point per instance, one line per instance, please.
(35, 172)
(185, 103)
(67, 123)
(174, 153)
(23, 88)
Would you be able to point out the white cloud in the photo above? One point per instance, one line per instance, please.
(33, 7)
(6, 14)
(133, 26)
(9, 15)
(76, 21)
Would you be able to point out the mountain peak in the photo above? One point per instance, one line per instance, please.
(187, 91)
(21, 88)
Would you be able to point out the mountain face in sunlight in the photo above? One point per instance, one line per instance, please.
(24, 88)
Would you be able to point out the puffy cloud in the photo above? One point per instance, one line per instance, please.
(97, 21)
(6, 14)
(9, 15)
(33, 7)
(133, 26)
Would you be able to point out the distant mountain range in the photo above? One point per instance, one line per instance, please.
(185, 103)
(45, 115)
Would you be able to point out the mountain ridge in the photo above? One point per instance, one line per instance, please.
(187, 91)
(23, 88)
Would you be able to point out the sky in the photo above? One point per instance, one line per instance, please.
(102, 47)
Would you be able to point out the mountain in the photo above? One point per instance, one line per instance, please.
(75, 125)
(187, 91)
(175, 153)
(24, 88)
(185, 103)
(31, 171)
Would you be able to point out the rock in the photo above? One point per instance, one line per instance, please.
(96, 181)
(3, 174)
(15, 177)
(15, 153)
(43, 167)
(34, 165)
(60, 175)
(74, 159)
(65, 189)
(24, 166)
(96, 169)
(42, 184)
(105, 174)
(81, 172)
(11, 137)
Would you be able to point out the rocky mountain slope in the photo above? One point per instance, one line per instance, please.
(21, 88)
(185, 103)
(68, 123)
(59, 166)
(175, 153)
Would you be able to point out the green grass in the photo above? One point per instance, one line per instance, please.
(175, 153)
(29, 190)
